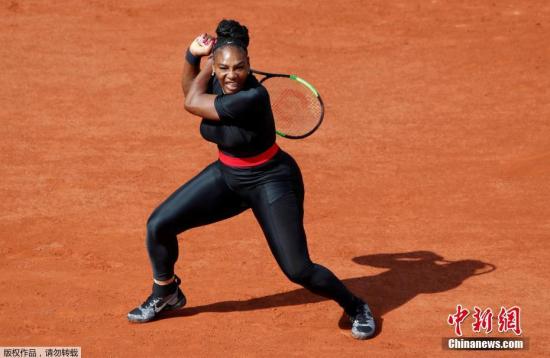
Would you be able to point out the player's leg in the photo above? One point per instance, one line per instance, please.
(278, 206)
(204, 199)
(281, 222)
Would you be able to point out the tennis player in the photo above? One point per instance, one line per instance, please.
(252, 172)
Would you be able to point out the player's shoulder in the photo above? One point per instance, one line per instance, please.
(253, 88)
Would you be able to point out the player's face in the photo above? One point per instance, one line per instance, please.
(231, 67)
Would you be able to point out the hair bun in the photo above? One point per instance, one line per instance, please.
(231, 30)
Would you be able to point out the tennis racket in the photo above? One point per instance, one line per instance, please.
(297, 106)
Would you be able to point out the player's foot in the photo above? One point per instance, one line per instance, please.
(363, 324)
(155, 304)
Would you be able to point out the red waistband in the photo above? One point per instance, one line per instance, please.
(249, 161)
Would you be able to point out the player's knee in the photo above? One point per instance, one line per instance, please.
(156, 226)
(300, 274)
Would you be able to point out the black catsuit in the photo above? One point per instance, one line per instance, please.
(273, 190)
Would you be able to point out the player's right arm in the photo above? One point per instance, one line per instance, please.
(201, 46)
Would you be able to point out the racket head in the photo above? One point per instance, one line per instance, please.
(297, 107)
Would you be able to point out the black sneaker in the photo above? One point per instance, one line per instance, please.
(155, 304)
(363, 325)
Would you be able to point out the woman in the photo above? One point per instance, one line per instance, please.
(252, 173)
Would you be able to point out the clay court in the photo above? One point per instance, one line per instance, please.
(427, 186)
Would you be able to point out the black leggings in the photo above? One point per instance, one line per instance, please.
(275, 193)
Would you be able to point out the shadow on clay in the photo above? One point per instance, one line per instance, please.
(408, 274)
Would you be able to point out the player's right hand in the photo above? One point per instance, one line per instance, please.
(202, 45)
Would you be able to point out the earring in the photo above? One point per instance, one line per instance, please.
(213, 73)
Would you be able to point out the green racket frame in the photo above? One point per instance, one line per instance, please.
(309, 86)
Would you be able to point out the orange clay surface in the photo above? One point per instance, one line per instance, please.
(427, 186)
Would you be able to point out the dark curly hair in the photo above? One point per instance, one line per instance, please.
(231, 33)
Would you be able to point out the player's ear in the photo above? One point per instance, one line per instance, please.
(248, 64)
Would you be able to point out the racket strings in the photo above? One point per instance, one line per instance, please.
(296, 108)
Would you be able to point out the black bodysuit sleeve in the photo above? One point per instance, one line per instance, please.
(238, 106)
